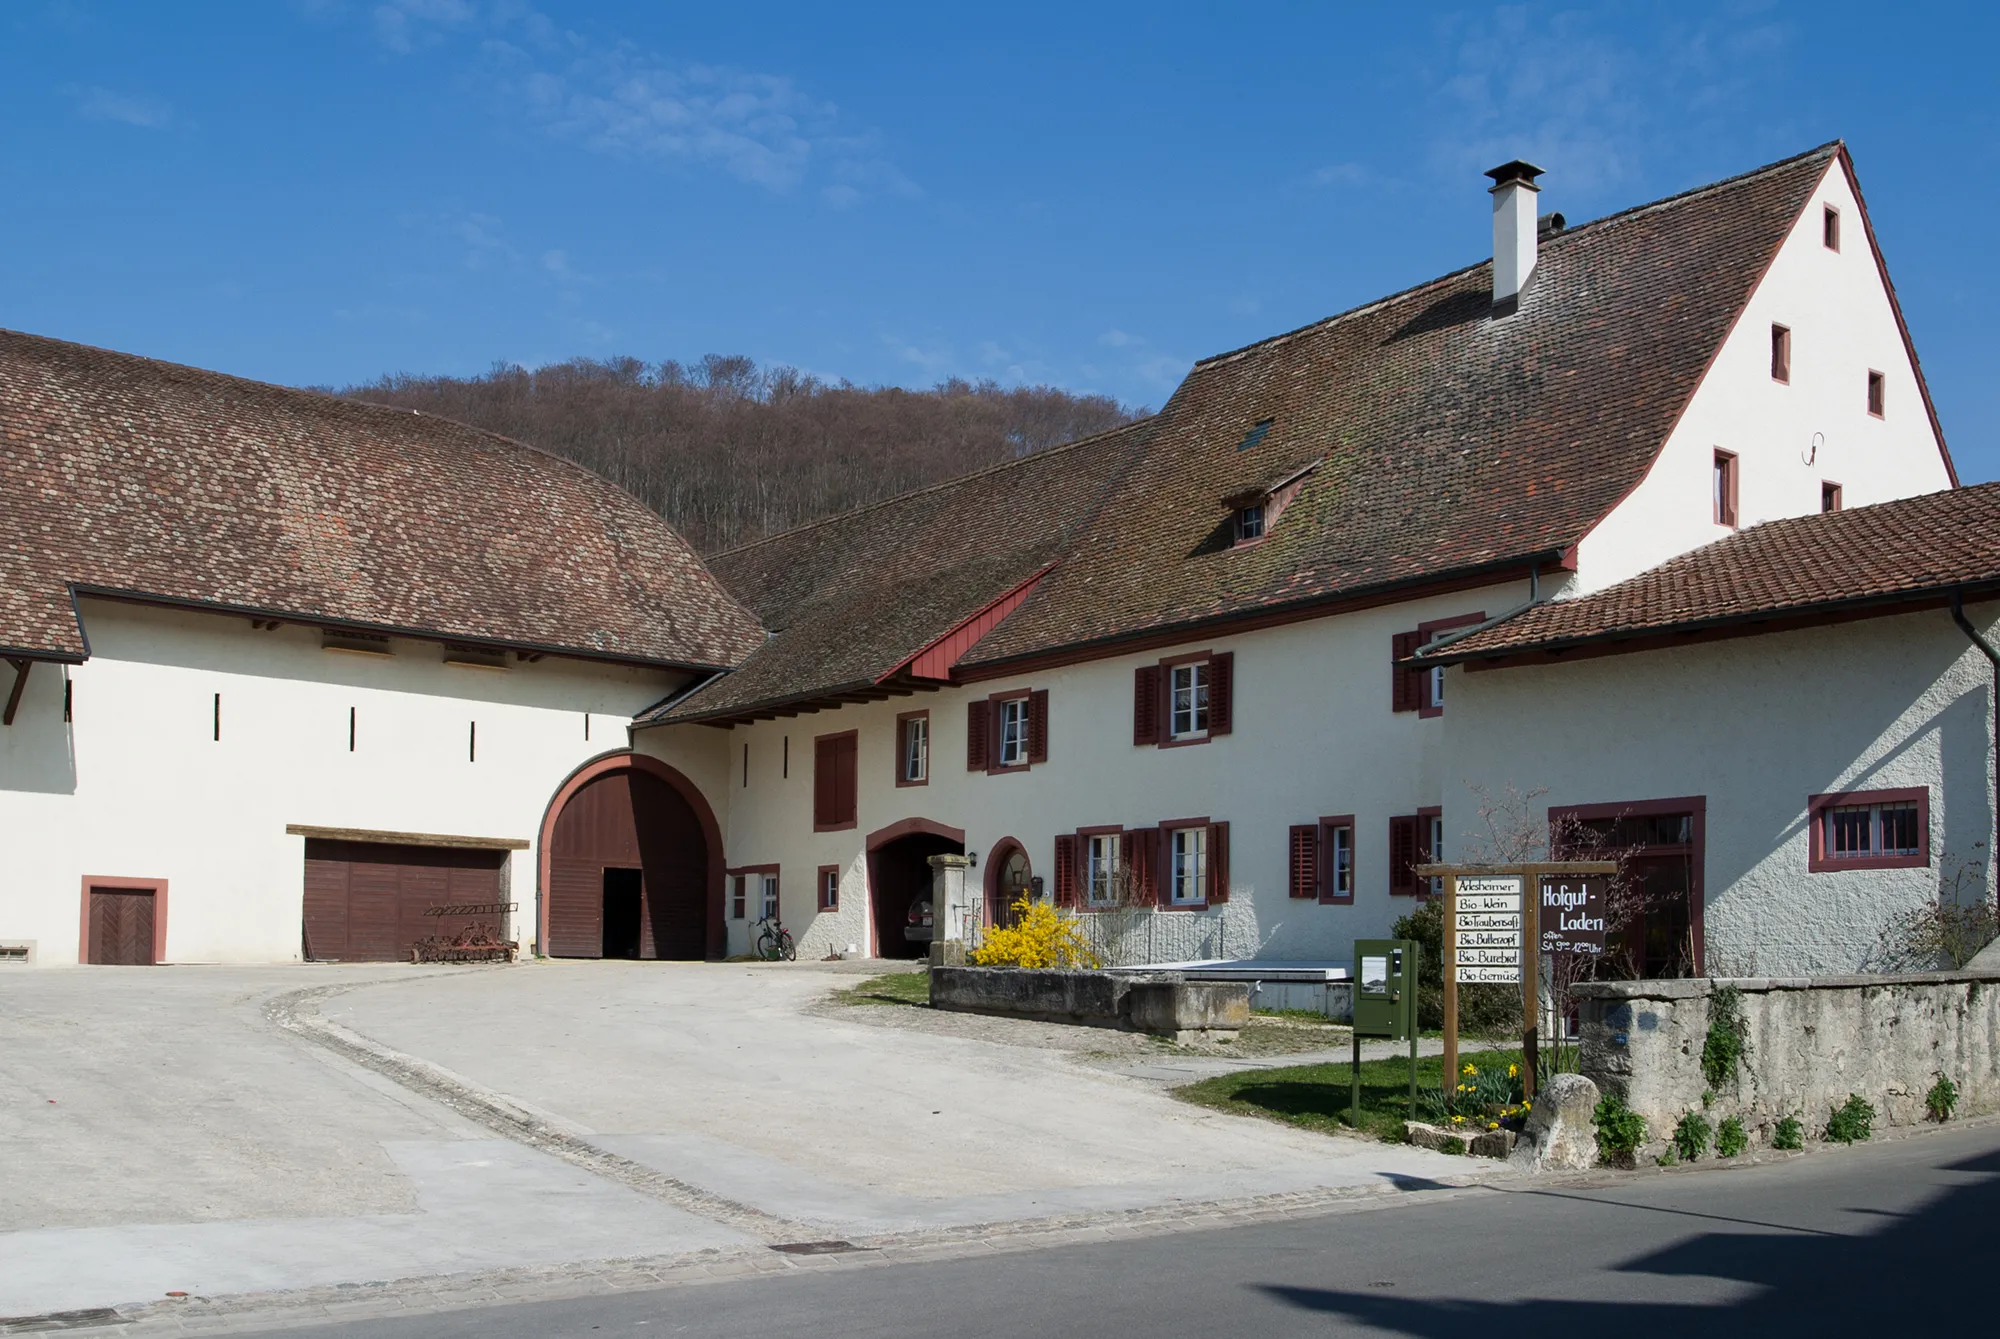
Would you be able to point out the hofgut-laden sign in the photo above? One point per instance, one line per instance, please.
(1487, 916)
(1573, 914)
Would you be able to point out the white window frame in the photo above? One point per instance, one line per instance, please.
(1100, 873)
(1012, 745)
(1877, 847)
(1437, 852)
(1341, 837)
(1187, 865)
(739, 896)
(767, 888)
(917, 748)
(1189, 704)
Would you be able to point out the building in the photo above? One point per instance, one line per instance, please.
(1209, 663)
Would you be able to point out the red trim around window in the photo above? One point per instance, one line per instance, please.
(1083, 836)
(1167, 668)
(1165, 874)
(993, 731)
(828, 901)
(902, 745)
(1819, 862)
(836, 816)
(1427, 706)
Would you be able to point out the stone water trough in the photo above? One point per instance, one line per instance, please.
(1164, 1004)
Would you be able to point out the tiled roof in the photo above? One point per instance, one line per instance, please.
(124, 474)
(1452, 441)
(1913, 550)
(850, 599)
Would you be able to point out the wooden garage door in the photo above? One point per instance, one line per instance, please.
(121, 927)
(365, 901)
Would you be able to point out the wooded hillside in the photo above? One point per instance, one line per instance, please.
(728, 451)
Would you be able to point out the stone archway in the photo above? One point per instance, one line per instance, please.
(630, 864)
(899, 875)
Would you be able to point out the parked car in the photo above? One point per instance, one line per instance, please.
(918, 928)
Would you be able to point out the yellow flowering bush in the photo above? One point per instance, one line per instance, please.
(1040, 936)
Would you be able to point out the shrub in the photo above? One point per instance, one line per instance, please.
(1942, 1099)
(1040, 936)
(1789, 1135)
(1851, 1121)
(1728, 1036)
(1691, 1136)
(1730, 1138)
(1620, 1130)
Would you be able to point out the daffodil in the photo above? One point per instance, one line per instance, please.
(1513, 1071)
(1493, 1125)
(1458, 1120)
(1470, 1069)
(1527, 1106)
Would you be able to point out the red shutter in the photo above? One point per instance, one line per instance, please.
(1221, 682)
(846, 778)
(1038, 725)
(1403, 854)
(1146, 705)
(1218, 863)
(1066, 866)
(976, 716)
(1405, 693)
(825, 803)
(1139, 853)
(1305, 860)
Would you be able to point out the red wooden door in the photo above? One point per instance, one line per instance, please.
(365, 901)
(121, 927)
(628, 820)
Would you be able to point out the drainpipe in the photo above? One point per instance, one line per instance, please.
(1993, 658)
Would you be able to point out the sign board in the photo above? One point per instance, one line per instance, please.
(1573, 914)
(1488, 917)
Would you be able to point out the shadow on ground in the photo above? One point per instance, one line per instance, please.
(1925, 1269)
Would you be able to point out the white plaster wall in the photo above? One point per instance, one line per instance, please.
(138, 786)
(1842, 327)
(1757, 725)
(1314, 735)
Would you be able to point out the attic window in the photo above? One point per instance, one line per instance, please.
(1255, 435)
(1830, 228)
(363, 643)
(480, 657)
(1249, 523)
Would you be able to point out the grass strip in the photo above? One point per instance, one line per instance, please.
(890, 988)
(1316, 1097)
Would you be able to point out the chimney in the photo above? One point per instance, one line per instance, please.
(1514, 231)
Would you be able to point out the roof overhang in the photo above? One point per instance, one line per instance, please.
(799, 704)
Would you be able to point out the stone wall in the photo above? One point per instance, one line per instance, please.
(1157, 1002)
(1811, 1042)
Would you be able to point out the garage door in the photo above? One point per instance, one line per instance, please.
(365, 901)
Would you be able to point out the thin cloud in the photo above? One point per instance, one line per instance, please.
(102, 104)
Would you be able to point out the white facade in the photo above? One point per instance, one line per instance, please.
(1788, 438)
(137, 785)
(1755, 726)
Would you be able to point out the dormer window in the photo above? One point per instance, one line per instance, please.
(1253, 512)
(1249, 522)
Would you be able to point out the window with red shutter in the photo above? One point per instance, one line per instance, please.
(1403, 854)
(1065, 870)
(1406, 694)
(1146, 705)
(834, 782)
(1038, 726)
(1305, 860)
(1221, 686)
(978, 716)
(1218, 863)
(1336, 859)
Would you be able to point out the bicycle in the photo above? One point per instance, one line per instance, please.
(774, 941)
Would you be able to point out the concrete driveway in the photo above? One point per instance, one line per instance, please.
(165, 1133)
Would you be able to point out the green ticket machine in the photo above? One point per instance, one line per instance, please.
(1385, 1003)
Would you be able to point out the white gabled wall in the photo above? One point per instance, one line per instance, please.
(1756, 725)
(137, 786)
(1313, 735)
(1842, 325)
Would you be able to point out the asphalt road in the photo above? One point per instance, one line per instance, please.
(1890, 1237)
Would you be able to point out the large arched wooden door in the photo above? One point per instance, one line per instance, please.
(629, 866)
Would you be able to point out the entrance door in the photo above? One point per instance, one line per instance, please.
(628, 872)
(365, 901)
(1661, 845)
(121, 927)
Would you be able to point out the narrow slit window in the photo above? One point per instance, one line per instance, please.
(218, 717)
(1877, 393)
(1781, 353)
(350, 729)
(472, 741)
(1830, 228)
(1723, 489)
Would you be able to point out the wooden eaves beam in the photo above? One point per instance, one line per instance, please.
(21, 668)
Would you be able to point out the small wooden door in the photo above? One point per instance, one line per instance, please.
(121, 927)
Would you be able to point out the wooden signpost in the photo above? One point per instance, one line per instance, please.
(1498, 920)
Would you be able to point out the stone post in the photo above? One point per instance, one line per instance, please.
(948, 909)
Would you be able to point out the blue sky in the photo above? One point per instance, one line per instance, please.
(1088, 195)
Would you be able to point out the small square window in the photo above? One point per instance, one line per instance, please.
(1249, 523)
(1830, 228)
(1187, 704)
(1781, 353)
(1829, 497)
(1877, 393)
